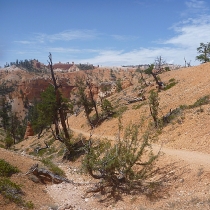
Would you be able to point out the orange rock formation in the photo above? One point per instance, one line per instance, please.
(29, 131)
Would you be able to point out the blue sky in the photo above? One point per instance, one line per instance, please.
(103, 32)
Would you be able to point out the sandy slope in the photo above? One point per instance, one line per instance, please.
(185, 161)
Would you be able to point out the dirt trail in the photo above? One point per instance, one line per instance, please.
(193, 158)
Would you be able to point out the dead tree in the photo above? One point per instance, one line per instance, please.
(159, 62)
(186, 64)
(159, 83)
(83, 99)
(142, 78)
(59, 115)
(157, 80)
(154, 106)
(89, 85)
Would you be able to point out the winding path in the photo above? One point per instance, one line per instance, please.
(193, 158)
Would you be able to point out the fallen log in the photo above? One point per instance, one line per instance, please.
(45, 175)
(136, 100)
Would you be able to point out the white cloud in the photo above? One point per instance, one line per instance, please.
(188, 36)
(138, 56)
(191, 33)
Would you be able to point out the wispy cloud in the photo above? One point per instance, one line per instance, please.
(67, 36)
(63, 50)
(24, 42)
(195, 7)
(123, 38)
(196, 4)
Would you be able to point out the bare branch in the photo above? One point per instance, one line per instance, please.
(41, 148)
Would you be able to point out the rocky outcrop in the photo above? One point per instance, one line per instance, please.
(32, 89)
(73, 68)
(63, 66)
(29, 131)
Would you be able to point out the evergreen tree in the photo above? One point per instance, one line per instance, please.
(45, 111)
(10, 122)
(204, 51)
(4, 113)
(107, 107)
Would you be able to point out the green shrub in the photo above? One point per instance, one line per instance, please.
(51, 141)
(172, 82)
(120, 165)
(52, 167)
(183, 107)
(51, 150)
(8, 141)
(149, 70)
(170, 85)
(138, 106)
(11, 191)
(120, 111)
(29, 205)
(106, 107)
(173, 114)
(6, 170)
(40, 153)
(167, 68)
(119, 85)
(201, 101)
(60, 152)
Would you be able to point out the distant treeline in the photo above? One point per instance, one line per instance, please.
(29, 65)
(26, 64)
(4, 90)
(85, 66)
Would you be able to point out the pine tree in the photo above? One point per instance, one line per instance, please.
(204, 51)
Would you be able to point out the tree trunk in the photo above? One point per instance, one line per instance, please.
(93, 101)
(59, 105)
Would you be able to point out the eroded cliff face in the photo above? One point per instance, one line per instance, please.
(31, 89)
(28, 86)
